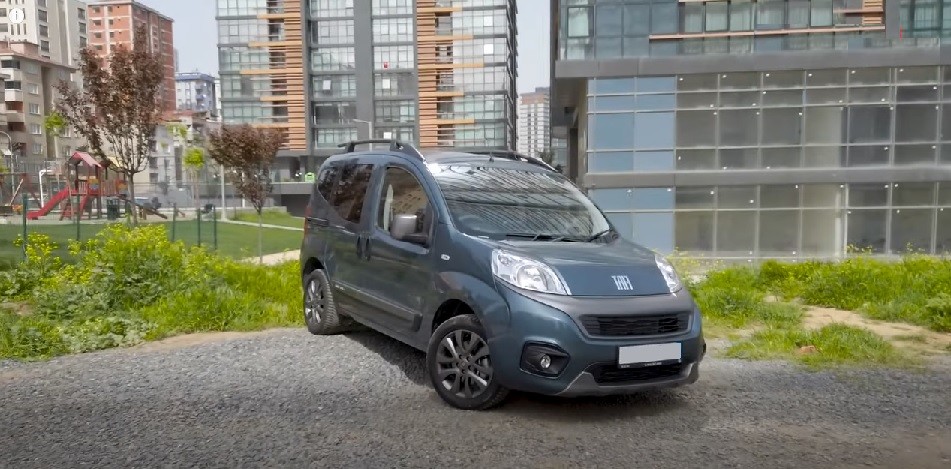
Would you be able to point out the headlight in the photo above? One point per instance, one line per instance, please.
(670, 275)
(526, 273)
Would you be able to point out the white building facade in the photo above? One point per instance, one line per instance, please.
(534, 135)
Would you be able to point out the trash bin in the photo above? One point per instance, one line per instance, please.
(112, 209)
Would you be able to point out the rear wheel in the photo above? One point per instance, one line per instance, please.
(460, 365)
(320, 310)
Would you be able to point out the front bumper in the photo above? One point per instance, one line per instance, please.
(590, 365)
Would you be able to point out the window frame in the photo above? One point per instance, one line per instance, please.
(431, 211)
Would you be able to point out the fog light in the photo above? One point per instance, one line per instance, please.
(544, 362)
(543, 359)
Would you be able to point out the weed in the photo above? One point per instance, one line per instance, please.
(832, 345)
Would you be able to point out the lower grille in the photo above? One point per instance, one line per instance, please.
(633, 326)
(611, 374)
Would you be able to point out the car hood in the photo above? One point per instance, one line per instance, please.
(619, 268)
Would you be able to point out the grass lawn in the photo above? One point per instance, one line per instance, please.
(271, 217)
(236, 241)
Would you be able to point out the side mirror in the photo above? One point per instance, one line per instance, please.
(403, 227)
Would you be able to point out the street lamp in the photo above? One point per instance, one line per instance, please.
(370, 125)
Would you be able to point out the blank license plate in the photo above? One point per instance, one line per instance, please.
(650, 354)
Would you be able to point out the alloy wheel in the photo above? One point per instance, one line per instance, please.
(463, 364)
(315, 301)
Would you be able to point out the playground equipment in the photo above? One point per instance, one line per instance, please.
(10, 205)
(88, 186)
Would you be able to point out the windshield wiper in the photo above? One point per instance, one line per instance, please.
(536, 237)
(598, 235)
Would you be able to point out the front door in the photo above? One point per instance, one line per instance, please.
(402, 269)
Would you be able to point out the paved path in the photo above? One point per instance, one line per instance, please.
(248, 223)
(276, 258)
(285, 398)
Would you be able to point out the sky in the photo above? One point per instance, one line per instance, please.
(196, 38)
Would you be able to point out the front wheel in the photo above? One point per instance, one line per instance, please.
(460, 365)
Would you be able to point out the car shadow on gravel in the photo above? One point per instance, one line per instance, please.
(411, 363)
(409, 360)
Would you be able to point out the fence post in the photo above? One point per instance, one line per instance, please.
(174, 219)
(26, 200)
(79, 215)
(214, 225)
(198, 219)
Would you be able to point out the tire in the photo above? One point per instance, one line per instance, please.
(462, 332)
(320, 309)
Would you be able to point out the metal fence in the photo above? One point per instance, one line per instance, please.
(193, 226)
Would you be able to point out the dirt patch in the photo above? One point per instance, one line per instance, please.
(902, 335)
(21, 309)
(274, 259)
(189, 340)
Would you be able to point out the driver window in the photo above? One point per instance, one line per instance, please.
(402, 194)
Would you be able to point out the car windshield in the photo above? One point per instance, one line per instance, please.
(504, 202)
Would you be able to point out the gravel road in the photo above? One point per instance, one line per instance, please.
(284, 398)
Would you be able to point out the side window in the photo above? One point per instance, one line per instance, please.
(325, 181)
(350, 192)
(402, 194)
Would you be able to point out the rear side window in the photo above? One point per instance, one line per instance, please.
(350, 192)
(325, 181)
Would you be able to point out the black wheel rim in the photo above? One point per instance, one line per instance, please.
(463, 366)
(314, 301)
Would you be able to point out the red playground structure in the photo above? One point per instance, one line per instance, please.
(88, 188)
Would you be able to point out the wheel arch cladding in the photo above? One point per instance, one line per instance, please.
(467, 294)
(311, 265)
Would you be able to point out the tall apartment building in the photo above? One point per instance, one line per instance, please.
(57, 27)
(534, 123)
(29, 96)
(113, 22)
(768, 129)
(430, 72)
(196, 92)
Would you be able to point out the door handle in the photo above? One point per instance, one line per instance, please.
(360, 247)
(366, 248)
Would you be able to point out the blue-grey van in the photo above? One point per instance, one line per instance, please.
(499, 268)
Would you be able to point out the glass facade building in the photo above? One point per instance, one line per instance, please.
(766, 129)
(435, 73)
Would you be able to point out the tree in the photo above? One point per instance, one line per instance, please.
(193, 156)
(118, 108)
(249, 153)
(55, 125)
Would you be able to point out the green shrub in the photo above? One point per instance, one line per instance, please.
(128, 285)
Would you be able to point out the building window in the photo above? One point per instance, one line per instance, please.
(579, 22)
(390, 112)
(34, 109)
(331, 8)
(335, 86)
(81, 12)
(334, 112)
(333, 32)
(37, 148)
(82, 28)
(36, 129)
(394, 84)
(45, 46)
(387, 57)
(332, 59)
(324, 138)
(392, 7)
(41, 15)
(393, 30)
(34, 88)
(44, 30)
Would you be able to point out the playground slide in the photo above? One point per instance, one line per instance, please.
(57, 198)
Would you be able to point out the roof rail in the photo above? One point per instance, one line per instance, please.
(511, 155)
(395, 145)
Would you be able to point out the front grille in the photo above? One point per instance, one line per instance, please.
(633, 326)
(611, 374)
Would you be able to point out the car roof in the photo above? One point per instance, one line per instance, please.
(444, 155)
